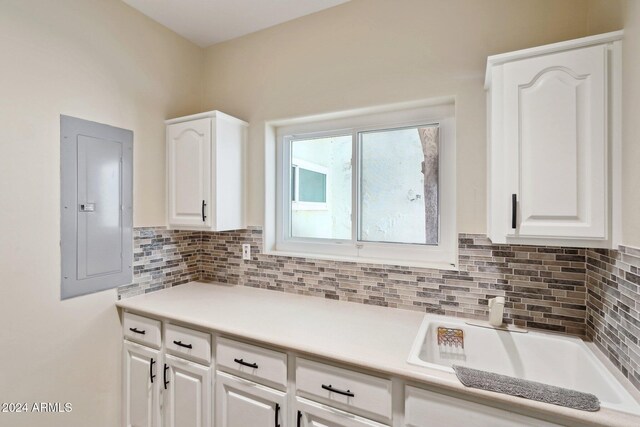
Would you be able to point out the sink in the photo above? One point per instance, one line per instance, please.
(549, 358)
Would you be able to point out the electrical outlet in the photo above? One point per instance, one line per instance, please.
(246, 251)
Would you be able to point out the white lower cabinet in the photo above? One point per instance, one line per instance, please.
(140, 386)
(425, 408)
(243, 403)
(159, 389)
(312, 414)
(186, 393)
(182, 383)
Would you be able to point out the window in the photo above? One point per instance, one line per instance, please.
(380, 190)
(308, 185)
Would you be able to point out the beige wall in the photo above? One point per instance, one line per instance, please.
(631, 125)
(605, 15)
(372, 52)
(99, 60)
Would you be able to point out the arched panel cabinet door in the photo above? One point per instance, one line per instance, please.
(556, 128)
(554, 138)
(189, 173)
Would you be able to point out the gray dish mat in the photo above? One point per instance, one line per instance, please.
(528, 389)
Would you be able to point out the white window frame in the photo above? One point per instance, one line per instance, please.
(443, 255)
(297, 205)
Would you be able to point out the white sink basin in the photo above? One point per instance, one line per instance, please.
(548, 358)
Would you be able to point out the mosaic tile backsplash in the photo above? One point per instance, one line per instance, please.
(613, 307)
(544, 286)
(594, 293)
(162, 258)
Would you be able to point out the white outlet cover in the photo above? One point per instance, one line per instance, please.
(246, 251)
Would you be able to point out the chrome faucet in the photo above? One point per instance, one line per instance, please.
(496, 311)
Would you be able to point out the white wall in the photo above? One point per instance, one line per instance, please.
(374, 52)
(98, 60)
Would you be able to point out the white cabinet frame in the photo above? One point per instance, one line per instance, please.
(590, 216)
(205, 172)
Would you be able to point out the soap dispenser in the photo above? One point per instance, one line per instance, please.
(496, 311)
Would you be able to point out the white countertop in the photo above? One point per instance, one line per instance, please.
(374, 338)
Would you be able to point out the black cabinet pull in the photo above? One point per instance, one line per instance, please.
(298, 424)
(277, 413)
(514, 210)
(138, 331)
(242, 362)
(203, 206)
(335, 390)
(151, 376)
(179, 343)
(166, 368)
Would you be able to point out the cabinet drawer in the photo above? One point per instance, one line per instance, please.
(259, 363)
(188, 343)
(354, 390)
(142, 329)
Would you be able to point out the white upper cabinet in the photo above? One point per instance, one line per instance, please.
(553, 136)
(205, 172)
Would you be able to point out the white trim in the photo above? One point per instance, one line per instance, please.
(503, 58)
(205, 115)
(615, 128)
(276, 239)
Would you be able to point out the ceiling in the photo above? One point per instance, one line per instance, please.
(206, 22)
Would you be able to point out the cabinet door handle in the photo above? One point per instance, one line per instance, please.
(277, 424)
(151, 376)
(242, 362)
(298, 424)
(179, 343)
(335, 390)
(138, 331)
(166, 368)
(204, 204)
(514, 210)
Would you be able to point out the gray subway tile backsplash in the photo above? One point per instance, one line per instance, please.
(593, 293)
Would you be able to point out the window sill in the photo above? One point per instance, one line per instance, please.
(433, 265)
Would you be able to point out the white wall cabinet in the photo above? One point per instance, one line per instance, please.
(140, 386)
(205, 172)
(242, 403)
(554, 143)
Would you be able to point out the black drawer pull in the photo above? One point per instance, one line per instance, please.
(179, 343)
(151, 376)
(204, 217)
(335, 390)
(242, 362)
(166, 368)
(277, 413)
(514, 211)
(138, 331)
(298, 424)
